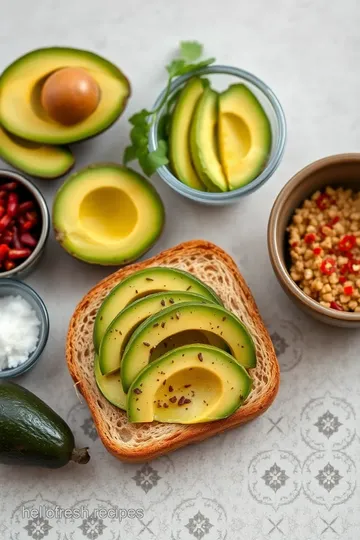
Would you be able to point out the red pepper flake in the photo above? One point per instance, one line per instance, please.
(328, 266)
(342, 279)
(348, 290)
(323, 201)
(317, 251)
(354, 266)
(309, 238)
(294, 244)
(335, 305)
(347, 242)
(333, 222)
(344, 269)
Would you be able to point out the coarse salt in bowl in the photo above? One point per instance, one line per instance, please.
(24, 325)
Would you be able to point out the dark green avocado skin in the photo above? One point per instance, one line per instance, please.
(30, 432)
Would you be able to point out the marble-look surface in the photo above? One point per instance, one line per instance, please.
(293, 473)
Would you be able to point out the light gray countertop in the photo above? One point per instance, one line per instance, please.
(293, 473)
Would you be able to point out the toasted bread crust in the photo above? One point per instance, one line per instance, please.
(185, 434)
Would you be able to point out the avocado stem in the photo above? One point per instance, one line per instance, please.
(80, 455)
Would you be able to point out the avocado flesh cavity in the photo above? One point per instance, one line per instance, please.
(203, 142)
(180, 318)
(20, 87)
(107, 214)
(122, 327)
(143, 283)
(194, 383)
(244, 135)
(180, 157)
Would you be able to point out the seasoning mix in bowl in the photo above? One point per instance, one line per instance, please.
(324, 243)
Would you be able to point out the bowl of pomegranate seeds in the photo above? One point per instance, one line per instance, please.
(24, 224)
(314, 239)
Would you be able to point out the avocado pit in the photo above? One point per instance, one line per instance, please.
(70, 95)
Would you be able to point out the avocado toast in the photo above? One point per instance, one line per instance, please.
(142, 442)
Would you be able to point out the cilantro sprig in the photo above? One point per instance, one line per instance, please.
(187, 61)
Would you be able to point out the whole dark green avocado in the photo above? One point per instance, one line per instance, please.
(31, 433)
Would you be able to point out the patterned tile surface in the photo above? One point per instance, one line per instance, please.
(293, 473)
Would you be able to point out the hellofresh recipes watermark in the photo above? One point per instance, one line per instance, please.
(82, 512)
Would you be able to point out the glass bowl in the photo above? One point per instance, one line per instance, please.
(17, 288)
(30, 263)
(227, 75)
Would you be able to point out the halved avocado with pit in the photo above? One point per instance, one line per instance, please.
(191, 384)
(178, 319)
(36, 159)
(110, 386)
(21, 84)
(143, 283)
(122, 327)
(107, 214)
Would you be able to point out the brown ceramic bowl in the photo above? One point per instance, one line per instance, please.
(340, 170)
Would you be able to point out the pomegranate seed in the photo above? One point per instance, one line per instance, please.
(2, 211)
(335, 305)
(5, 222)
(7, 237)
(28, 239)
(16, 242)
(19, 253)
(9, 265)
(342, 279)
(3, 194)
(9, 186)
(12, 206)
(4, 250)
(317, 251)
(25, 207)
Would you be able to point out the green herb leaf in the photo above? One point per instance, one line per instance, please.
(175, 67)
(129, 154)
(159, 156)
(190, 50)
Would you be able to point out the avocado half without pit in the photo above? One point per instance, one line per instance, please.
(107, 214)
(61, 95)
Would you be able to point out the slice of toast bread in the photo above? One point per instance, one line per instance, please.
(142, 442)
